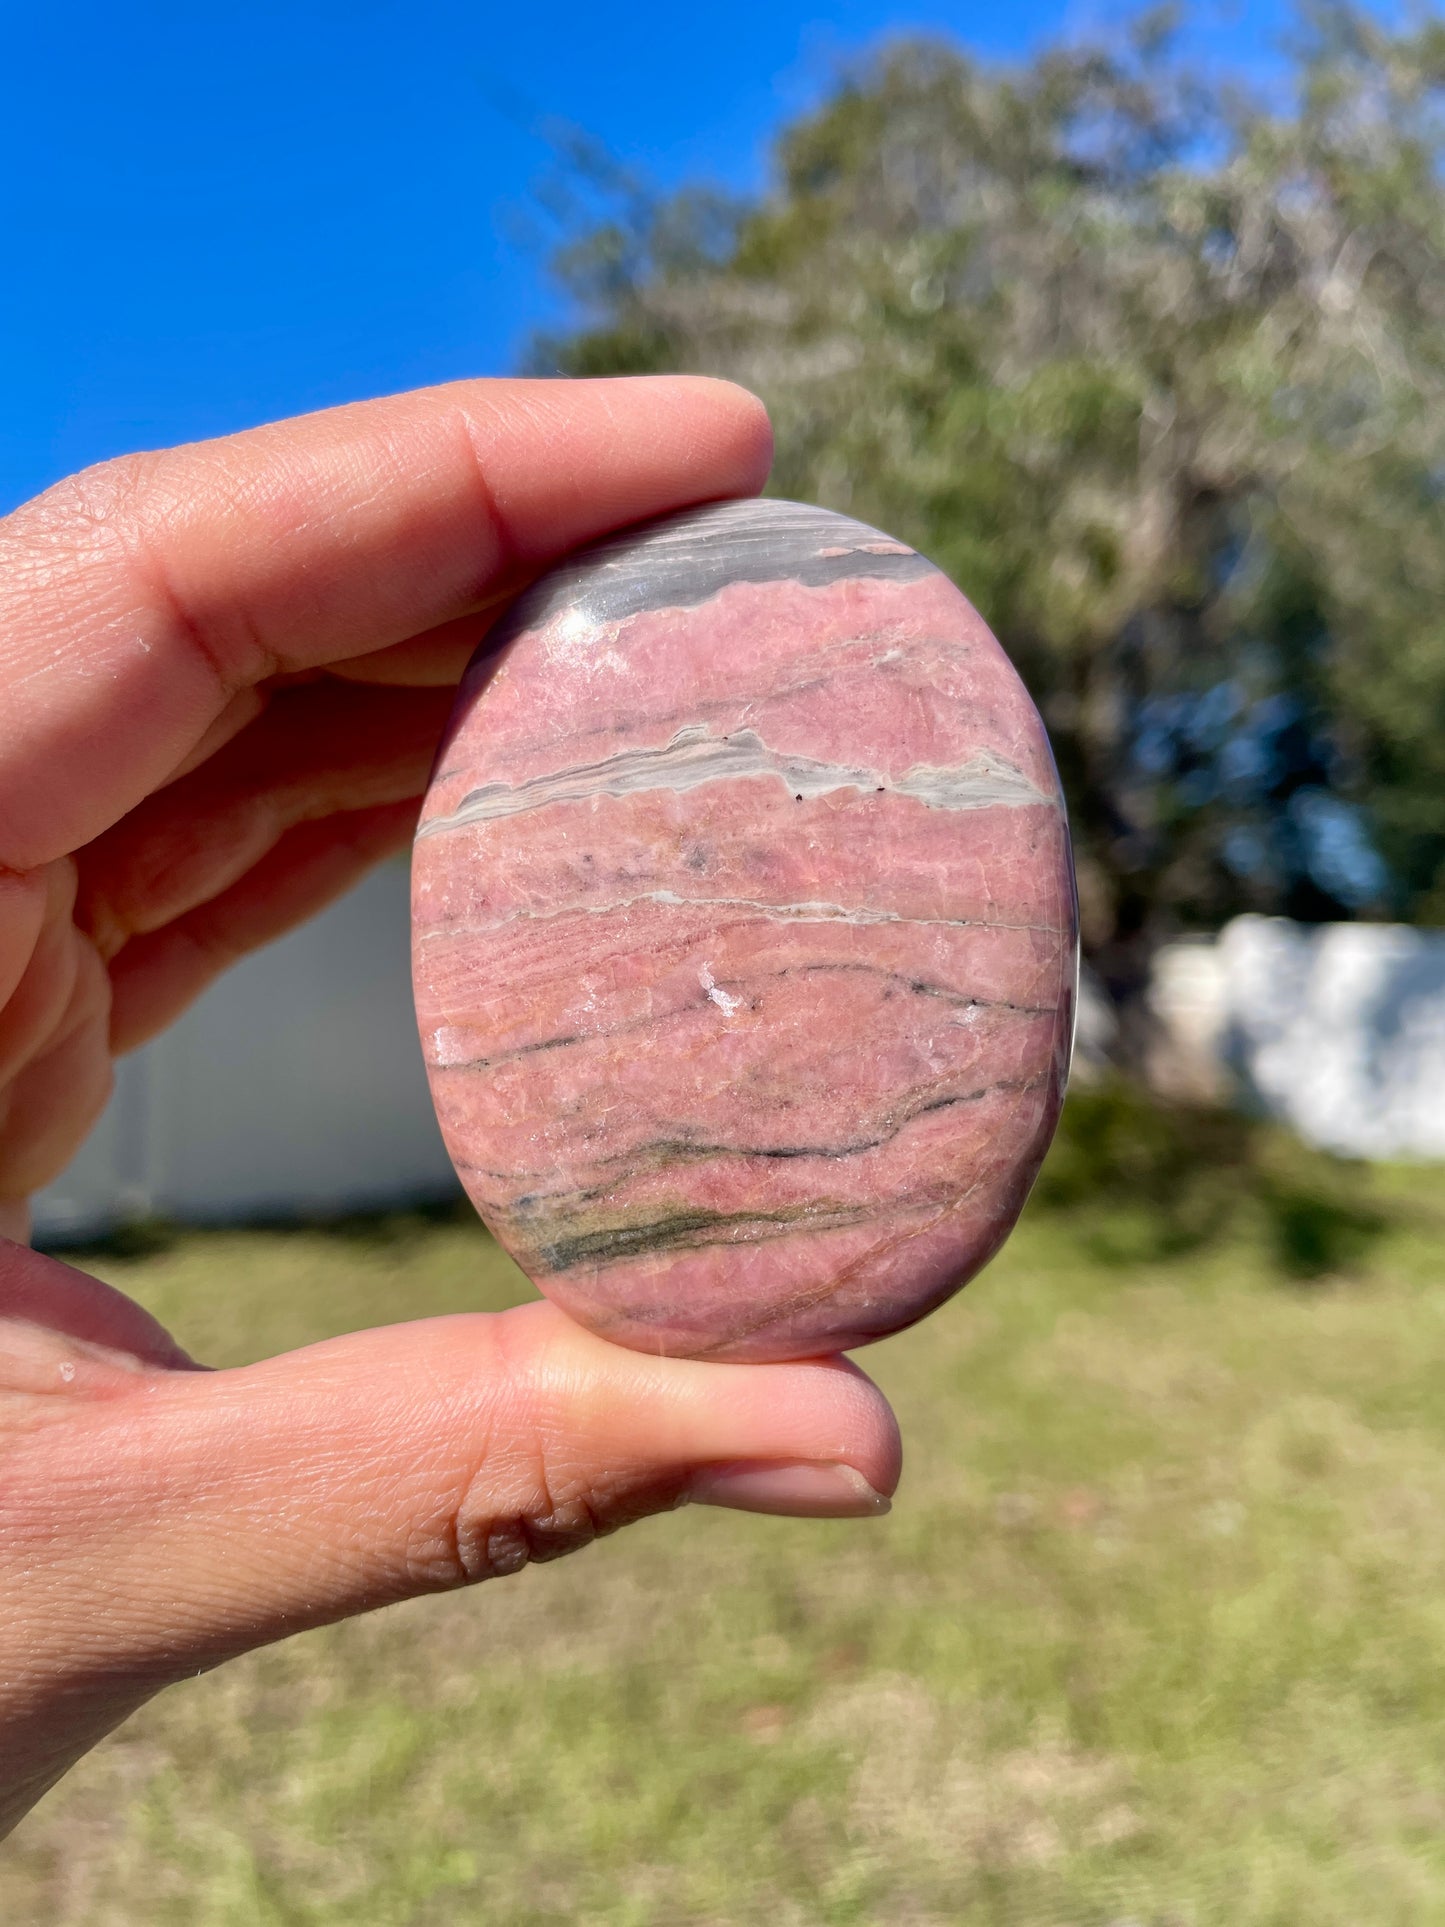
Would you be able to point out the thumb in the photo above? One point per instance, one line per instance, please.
(162, 1519)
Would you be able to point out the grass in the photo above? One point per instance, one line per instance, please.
(1154, 1636)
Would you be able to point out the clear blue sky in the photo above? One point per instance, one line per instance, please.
(222, 213)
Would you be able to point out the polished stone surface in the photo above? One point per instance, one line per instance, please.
(744, 935)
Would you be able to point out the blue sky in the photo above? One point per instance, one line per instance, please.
(223, 214)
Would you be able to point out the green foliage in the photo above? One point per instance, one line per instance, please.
(1153, 1633)
(1136, 1179)
(1158, 374)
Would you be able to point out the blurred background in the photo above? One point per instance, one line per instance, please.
(1134, 322)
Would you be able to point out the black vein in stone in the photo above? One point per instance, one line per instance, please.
(610, 1243)
(917, 985)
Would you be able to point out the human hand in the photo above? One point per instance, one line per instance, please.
(223, 671)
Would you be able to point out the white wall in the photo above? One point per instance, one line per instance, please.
(295, 1086)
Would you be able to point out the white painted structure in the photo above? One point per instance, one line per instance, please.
(1337, 1029)
(295, 1086)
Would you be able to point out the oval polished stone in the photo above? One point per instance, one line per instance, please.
(744, 935)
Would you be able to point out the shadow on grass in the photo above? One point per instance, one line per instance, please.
(1151, 1181)
(129, 1243)
(144, 1238)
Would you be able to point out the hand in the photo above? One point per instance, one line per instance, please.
(223, 670)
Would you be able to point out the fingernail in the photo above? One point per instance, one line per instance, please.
(791, 1489)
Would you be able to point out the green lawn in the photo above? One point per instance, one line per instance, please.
(1154, 1636)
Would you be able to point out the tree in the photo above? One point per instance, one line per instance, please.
(1156, 371)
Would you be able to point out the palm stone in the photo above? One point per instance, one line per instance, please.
(745, 936)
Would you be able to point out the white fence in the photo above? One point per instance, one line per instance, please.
(295, 1086)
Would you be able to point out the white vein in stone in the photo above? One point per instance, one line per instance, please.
(812, 910)
(695, 756)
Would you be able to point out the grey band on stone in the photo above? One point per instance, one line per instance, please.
(684, 560)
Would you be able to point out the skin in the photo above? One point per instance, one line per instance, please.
(223, 669)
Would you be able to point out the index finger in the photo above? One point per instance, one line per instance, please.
(138, 598)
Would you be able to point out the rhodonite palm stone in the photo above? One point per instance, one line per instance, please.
(744, 935)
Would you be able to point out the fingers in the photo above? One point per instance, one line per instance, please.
(223, 862)
(156, 976)
(38, 961)
(186, 1517)
(315, 752)
(54, 1065)
(51, 1102)
(138, 599)
(59, 1309)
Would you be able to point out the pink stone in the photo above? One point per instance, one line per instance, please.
(744, 935)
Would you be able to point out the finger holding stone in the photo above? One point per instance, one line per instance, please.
(229, 1508)
(182, 1518)
(138, 598)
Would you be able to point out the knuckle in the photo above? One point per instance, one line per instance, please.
(528, 1487)
(522, 1519)
(491, 1547)
(505, 1516)
(490, 1542)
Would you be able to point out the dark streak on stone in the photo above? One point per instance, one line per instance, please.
(677, 1231)
(918, 985)
(609, 1243)
(510, 1056)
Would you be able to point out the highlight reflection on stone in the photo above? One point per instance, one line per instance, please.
(744, 935)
